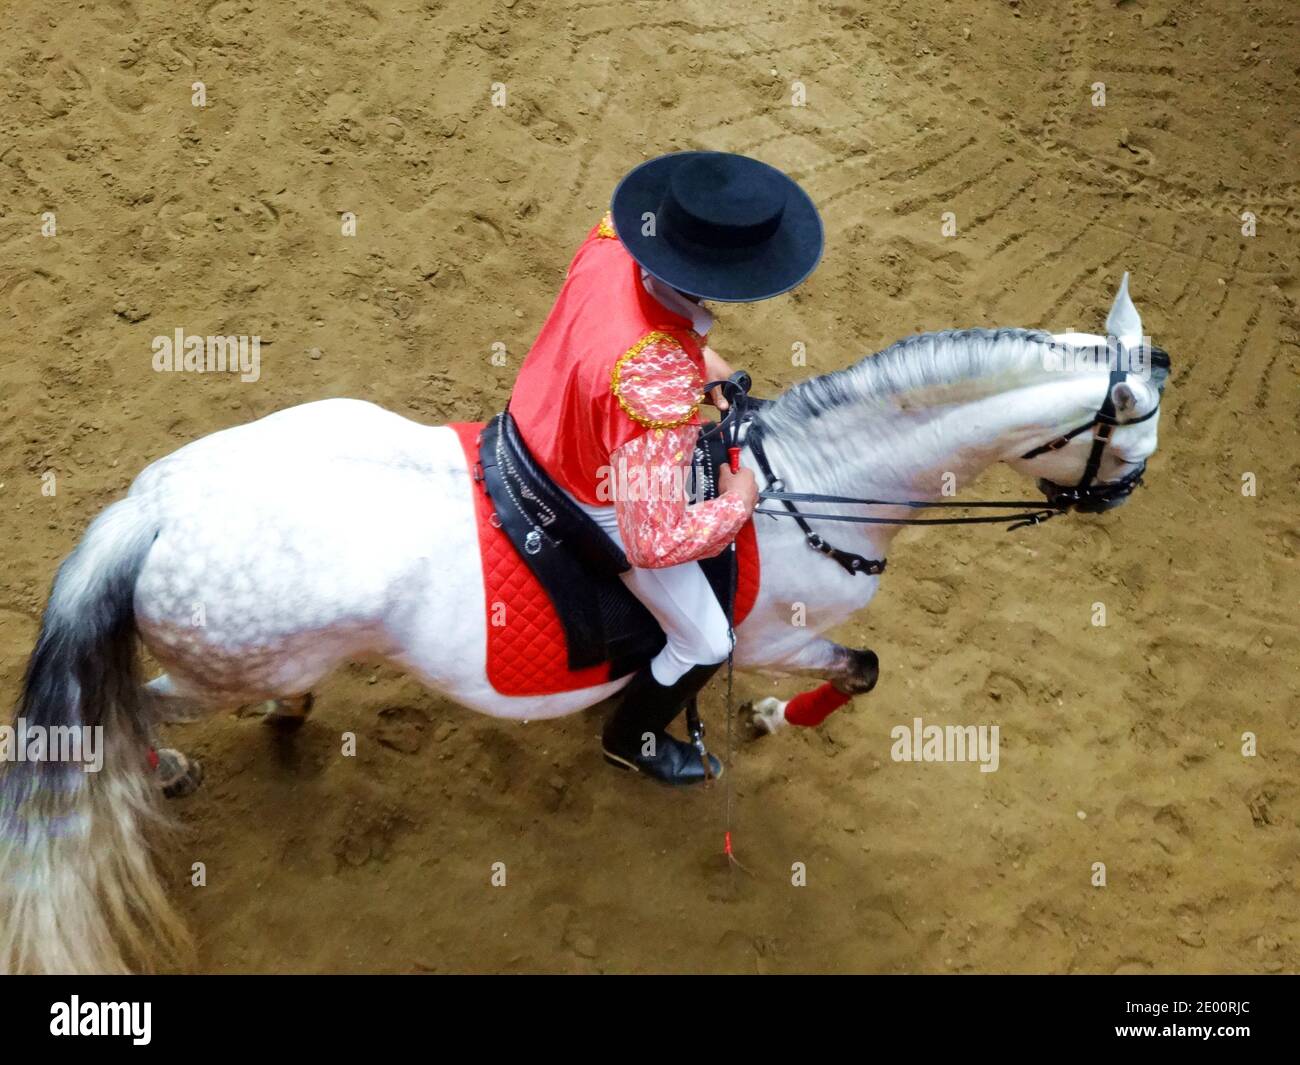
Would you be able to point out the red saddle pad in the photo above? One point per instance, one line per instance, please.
(526, 649)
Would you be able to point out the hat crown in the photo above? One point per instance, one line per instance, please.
(717, 226)
(724, 201)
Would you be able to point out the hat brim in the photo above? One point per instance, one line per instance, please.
(737, 276)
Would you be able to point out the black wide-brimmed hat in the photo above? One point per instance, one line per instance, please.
(718, 226)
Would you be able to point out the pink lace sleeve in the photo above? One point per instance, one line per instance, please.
(658, 526)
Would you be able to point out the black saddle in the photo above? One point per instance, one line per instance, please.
(575, 561)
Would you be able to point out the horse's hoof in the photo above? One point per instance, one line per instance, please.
(767, 716)
(177, 775)
(284, 723)
(287, 715)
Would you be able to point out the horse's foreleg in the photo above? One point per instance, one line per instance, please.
(848, 672)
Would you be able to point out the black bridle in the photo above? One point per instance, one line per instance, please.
(1088, 495)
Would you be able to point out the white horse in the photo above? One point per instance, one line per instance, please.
(254, 561)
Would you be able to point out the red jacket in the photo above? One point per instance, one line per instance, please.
(567, 412)
(607, 401)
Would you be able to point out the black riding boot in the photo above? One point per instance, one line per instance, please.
(649, 707)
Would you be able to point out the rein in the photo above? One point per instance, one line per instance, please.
(736, 390)
(1028, 512)
(1087, 494)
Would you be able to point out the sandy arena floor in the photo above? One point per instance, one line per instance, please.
(226, 220)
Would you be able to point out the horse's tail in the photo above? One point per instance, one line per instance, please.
(78, 888)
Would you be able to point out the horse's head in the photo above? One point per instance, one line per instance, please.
(1096, 465)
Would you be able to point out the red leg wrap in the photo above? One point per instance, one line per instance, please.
(814, 707)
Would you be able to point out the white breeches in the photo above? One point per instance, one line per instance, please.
(682, 601)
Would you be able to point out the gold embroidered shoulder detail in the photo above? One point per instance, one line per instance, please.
(657, 383)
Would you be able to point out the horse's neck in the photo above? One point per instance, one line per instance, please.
(926, 442)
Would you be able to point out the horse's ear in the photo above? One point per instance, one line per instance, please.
(1123, 321)
(1125, 398)
(1129, 398)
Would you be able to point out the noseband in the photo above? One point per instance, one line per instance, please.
(1088, 496)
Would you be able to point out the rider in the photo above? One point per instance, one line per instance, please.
(607, 402)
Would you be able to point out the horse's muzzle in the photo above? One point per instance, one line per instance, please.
(1094, 498)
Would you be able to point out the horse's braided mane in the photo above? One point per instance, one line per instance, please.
(920, 361)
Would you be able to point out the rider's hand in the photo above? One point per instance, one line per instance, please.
(742, 483)
(716, 369)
